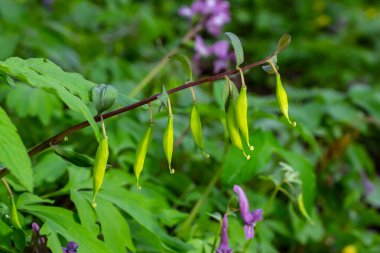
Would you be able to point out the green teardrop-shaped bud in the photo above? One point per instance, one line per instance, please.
(241, 112)
(168, 142)
(283, 99)
(74, 157)
(100, 165)
(302, 208)
(104, 96)
(14, 215)
(233, 129)
(142, 149)
(196, 129)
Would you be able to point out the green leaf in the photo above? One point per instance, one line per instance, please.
(9, 80)
(238, 49)
(283, 43)
(185, 64)
(30, 199)
(124, 100)
(13, 153)
(62, 222)
(20, 69)
(85, 211)
(112, 220)
(74, 82)
(133, 204)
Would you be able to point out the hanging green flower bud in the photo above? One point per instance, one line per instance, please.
(233, 129)
(14, 215)
(283, 99)
(142, 149)
(196, 128)
(241, 111)
(168, 140)
(104, 96)
(100, 165)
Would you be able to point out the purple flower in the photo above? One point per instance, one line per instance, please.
(215, 14)
(249, 218)
(71, 247)
(35, 228)
(369, 188)
(219, 51)
(224, 247)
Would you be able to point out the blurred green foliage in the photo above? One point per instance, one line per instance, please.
(330, 74)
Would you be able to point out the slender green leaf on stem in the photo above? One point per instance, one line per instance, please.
(283, 43)
(238, 49)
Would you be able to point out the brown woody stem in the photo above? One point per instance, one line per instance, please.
(60, 136)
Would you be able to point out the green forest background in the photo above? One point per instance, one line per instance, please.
(331, 74)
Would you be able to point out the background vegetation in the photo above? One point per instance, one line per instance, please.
(330, 71)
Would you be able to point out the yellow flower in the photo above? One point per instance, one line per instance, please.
(349, 249)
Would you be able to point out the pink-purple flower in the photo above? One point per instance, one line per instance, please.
(71, 247)
(249, 218)
(213, 13)
(219, 51)
(224, 246)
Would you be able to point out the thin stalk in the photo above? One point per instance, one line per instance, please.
(216, 238)
(150, 114)
(10, 193)
(103, 126)
(242, 78)
(269, 204)
(193, 94)
(194, 212)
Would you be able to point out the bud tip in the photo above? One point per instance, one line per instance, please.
(172, 171)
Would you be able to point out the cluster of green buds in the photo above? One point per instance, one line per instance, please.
(236, 118)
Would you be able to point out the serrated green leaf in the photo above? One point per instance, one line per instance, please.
(20, 69)
(238, 49)
(74, 82)
(283, 43)
(13, 153)
(185, 62)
